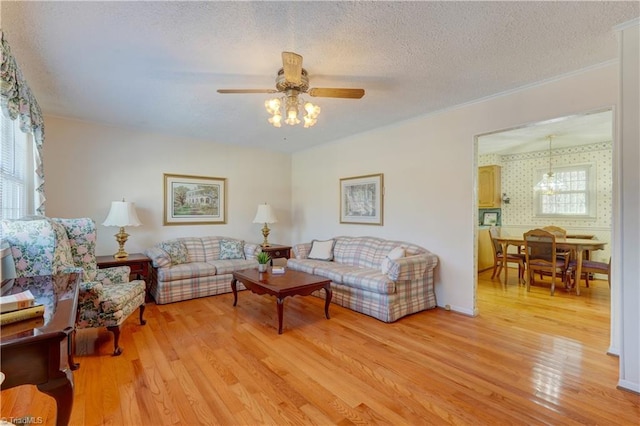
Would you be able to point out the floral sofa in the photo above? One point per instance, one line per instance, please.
(381, 278)
(190, 267)
(47, 246)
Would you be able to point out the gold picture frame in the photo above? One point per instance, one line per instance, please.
(362, 199)
(194, 200)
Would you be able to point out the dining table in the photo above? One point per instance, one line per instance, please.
(577, 245)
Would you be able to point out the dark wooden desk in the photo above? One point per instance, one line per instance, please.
(43, 356)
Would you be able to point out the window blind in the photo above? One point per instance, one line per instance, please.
(15, 168)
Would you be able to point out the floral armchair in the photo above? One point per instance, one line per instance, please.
(46, 246)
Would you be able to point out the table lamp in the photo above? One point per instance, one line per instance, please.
(265, 215)
(122, 214)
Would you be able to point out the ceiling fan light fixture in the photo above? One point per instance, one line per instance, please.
(289, 107)
(293, 80)
(313, 111)
(309, 122)
(272, 105)
(292, 110)
(276, 120)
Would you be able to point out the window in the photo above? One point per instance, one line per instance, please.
(16, 170)
(575, 197)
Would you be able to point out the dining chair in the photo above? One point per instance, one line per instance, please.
(541, 256)
(566, 255)
(500, 261)
(556, 230)
(589, 267)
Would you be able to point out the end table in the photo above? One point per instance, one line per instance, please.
(277, 251)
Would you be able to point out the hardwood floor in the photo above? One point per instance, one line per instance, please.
(528, 358)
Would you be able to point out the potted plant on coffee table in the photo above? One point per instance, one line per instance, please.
(263, 261)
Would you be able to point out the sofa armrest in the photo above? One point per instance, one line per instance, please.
(113, 275)
(90, 295)
(301, 251)
(159, 257)
(250, 250)
(412, 267)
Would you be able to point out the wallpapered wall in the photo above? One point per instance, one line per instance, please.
(518, 171)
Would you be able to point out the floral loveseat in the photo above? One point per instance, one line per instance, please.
(381, 278)
(190, 267)
(47, 246)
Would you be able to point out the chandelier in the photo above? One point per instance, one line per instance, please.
(549, 184)
(288, 106)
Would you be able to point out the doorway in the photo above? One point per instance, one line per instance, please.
(523, 154)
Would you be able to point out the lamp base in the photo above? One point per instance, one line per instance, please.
(121, 255)
(121, 238)
(265, 234)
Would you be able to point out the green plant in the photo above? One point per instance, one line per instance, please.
(263, 257)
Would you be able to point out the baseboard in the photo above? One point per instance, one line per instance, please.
(629, 386)
(459, 310)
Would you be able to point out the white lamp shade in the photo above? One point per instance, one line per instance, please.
(122, 213)
(265, 214)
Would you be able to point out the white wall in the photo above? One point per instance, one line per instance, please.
(89, 165)
(429, 165)
(626, 267)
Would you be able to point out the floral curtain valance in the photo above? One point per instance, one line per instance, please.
(18, 102)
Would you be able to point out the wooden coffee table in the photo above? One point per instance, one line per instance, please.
(291, 283)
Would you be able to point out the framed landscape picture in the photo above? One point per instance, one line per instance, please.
(361, 199)
(194, 200)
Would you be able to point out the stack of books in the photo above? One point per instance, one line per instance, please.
(277, 270)
(19, 312)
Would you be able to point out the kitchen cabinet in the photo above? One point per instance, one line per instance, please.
(485, 250)
(489, 194)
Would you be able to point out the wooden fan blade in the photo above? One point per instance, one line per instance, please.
(247, 91)
(292, 65)
(336, 93)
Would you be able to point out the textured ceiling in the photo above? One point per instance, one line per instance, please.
(155, 66)
(581, 129)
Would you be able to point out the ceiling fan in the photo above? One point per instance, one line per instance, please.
(292, 80)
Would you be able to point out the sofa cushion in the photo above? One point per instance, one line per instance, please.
(322, 250)
(333, 271)
(231, 249)
(186, 270)
(303, 265)
(394, 254)
(227, 266)
(117, 296)
(359, 251)
(176, 250)
(369, 279)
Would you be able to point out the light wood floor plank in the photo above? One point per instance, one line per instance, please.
(527, 358)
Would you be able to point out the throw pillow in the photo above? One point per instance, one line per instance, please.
(231, 249)
(176, 250)
(394, 254)
(321, 250)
